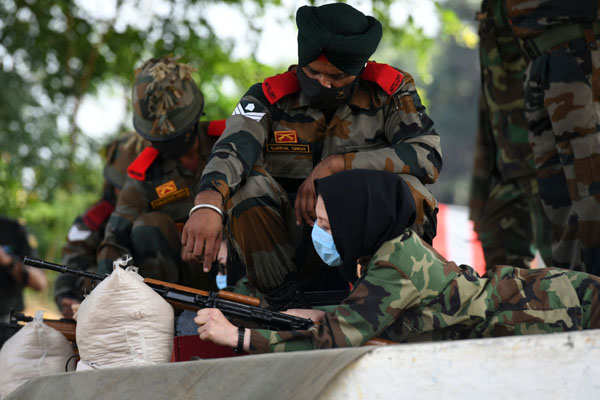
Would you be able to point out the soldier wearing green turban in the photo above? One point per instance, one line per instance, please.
(334, 111)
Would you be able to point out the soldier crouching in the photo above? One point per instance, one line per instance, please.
(163, 180)
(334, 111)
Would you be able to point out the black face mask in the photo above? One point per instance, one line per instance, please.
(175, 148)
(321, 97)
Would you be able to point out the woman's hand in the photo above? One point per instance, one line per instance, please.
(214, 327)
(315, 315)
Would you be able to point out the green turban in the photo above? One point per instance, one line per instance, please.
(343, 34)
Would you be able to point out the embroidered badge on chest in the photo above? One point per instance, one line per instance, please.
(288, 148)
(166, 188)
(286, 137)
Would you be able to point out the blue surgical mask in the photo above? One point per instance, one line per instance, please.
(325, 246)
(221, 281)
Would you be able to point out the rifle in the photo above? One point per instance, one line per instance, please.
(232, 305)
(66, 326)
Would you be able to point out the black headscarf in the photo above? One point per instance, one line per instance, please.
(343, 34)
(365, 209)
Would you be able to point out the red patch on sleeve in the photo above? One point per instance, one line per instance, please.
(137, 169)
(388, 78)
(277, 87)
(216, 128)
(97, 214)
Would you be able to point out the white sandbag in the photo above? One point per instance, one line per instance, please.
(123, 322)
(35, 350)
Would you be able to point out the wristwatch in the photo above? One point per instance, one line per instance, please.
(240, 344)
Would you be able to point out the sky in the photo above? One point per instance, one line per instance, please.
(102, 113)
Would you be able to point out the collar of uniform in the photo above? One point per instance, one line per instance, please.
(364, 97)
(299, 101)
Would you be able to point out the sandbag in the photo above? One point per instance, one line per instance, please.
(35, 350)
(123, 322)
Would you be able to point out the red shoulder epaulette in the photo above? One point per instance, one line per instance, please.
(216, 128)
(97, 214)
(137, 169)
(277, 87)
(387, 77)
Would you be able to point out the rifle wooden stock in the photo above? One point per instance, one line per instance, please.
(222, 294)
(67, 328)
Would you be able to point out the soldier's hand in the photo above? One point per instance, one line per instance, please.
(306, 197)
(213, 326)
(305, 202)
(5, 258)
(201, 236)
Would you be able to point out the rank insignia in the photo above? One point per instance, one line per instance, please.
(170, 198)
(166, 188)
(286, 137)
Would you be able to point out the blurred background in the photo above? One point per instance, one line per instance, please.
(66, 69)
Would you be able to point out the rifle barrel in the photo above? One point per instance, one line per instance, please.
(37, 263)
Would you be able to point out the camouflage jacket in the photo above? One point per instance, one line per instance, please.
(384, 126)
(529, 18)
(162, 185)
(410, 293)
(502, 149)
(87, 231)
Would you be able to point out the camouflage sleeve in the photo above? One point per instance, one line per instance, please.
(483, 163)
(240, 145)
(374, 305)
(414, 146)
(130, 204)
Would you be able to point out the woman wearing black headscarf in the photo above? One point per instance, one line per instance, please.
(407, 291)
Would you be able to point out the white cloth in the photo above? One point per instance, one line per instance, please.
(35, 350)
(123, 322)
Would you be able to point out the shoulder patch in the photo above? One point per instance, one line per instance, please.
(216, 128)
(137, 169)
(97, 214)
(277, 87)
(387, 77)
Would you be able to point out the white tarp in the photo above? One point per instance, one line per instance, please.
(553, 366)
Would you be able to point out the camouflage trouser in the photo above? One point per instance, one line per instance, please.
(563, 110)
(156, 247)
(262, 230)
(511, 223)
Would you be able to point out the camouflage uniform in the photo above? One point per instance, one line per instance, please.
(504, 204)
(87, 231)
(273, 141)
(149, 216)
(561, 104)
(410, 293)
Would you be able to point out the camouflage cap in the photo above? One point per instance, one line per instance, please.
(166, 101)
(119, 154)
